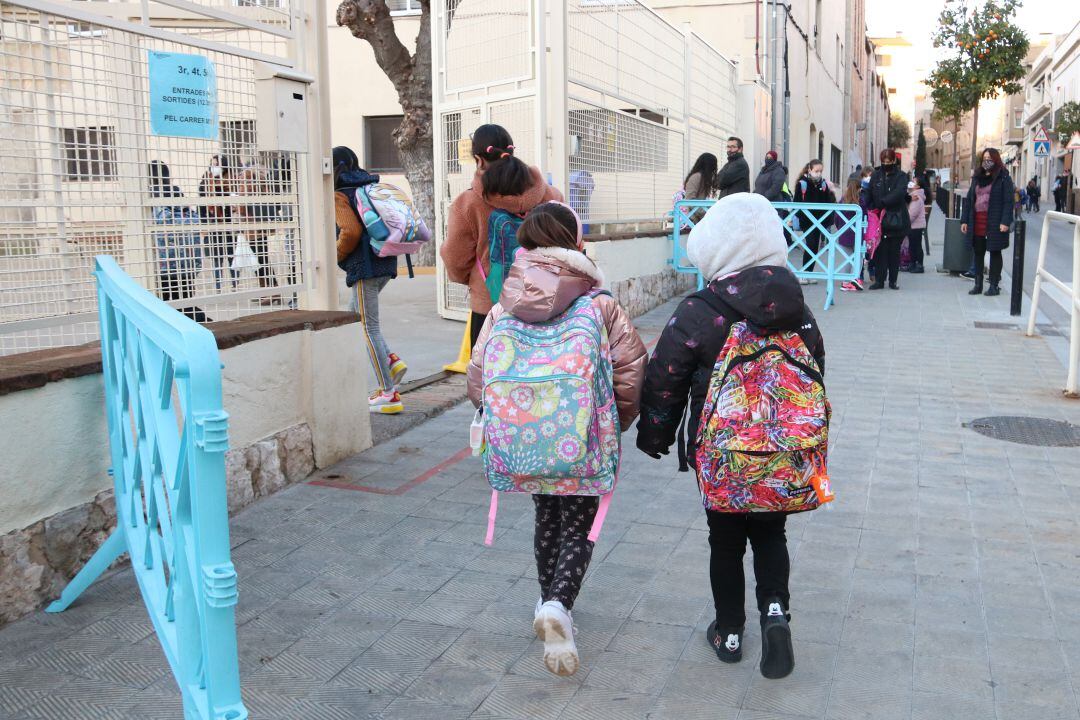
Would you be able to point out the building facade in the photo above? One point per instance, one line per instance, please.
(1053, 81)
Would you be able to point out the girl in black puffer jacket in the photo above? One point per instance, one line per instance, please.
(739, 245)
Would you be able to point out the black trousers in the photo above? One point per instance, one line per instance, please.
(887, 260)
(477, 325)
(979, 246)
(812, 240)
(561, 544)
(728, 533)
(915, 246)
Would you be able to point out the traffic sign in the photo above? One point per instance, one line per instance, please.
(1042, 148)
(1040, 135)
(1074, 142)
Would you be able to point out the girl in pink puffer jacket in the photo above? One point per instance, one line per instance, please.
(545, 280)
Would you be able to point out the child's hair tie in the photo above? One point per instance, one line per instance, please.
(510, 147)
(504, 156)
(489, 148)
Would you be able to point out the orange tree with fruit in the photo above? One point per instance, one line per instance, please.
(983, 56)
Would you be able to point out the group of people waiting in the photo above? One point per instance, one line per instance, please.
(191, 239)
(899, 204)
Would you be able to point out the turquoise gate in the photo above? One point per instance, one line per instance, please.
(832, 262)
(168, 435)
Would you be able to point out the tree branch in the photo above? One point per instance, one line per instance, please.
(370, 20)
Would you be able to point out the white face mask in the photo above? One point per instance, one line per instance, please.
(215, 170)
(815, 175)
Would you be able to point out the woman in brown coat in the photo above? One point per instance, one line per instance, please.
(502, 182)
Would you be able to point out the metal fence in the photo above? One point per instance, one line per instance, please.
(87, 170)
(168, 435)
(1071, 292)
(606, 96)
(825, 241)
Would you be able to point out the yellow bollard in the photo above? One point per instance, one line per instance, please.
(464, 352)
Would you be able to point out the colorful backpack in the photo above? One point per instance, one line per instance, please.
(762, 444)
(502, 245)
(394, 226)
(551, 426)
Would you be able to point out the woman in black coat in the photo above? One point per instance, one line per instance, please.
(889, 193)
(987, 217)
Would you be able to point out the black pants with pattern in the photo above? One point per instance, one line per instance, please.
(562, 545)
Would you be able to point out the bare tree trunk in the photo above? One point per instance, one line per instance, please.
(975, 160)
(954, 167)
(415, 148)
(370, 20)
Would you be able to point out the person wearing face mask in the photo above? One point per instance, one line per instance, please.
(812, 188)
(218, 240)
(889, 194)
(987, 217)
(770, 180)
(735, 175)
(917, 215)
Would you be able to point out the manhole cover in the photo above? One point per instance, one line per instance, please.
(1043, 432)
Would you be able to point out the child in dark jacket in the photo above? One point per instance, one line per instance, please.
(367, 274)
(740, 246)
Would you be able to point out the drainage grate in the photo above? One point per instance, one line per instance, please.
(1043, 432)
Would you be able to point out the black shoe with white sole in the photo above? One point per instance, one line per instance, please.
(777, 655)
(726, 643)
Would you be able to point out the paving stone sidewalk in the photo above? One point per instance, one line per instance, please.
(943, 585)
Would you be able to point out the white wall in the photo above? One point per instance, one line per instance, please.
(625, 259)
(268, 385)
(358, 86)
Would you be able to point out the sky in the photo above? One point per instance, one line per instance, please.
(917, 19)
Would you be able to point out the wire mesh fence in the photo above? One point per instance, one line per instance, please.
(635, 98)
(210, 225)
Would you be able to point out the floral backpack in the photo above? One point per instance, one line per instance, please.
(764, 432)
(549, 416)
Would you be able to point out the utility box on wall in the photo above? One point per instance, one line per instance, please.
(280, 112)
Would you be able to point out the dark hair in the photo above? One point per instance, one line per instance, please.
(736, 140)
(996, 157)
(706, 165)
(811, 164)
(888, 155)
(344, 160)
(504, 174)
(159, 173)
(549, 224)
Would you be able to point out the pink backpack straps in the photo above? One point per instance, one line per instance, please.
(601, 513)
(492, 509)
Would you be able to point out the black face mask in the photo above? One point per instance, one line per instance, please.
(890, 168)
(769, 162)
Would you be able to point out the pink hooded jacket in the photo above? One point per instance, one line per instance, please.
(541, 285)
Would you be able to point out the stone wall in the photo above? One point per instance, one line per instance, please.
(37, 562)
(639, 295)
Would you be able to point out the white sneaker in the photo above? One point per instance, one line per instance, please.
(807, 281)
(555, 627)
(385, 403)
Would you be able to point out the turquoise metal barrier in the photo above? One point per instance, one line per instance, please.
(168, 435)
(831, 263)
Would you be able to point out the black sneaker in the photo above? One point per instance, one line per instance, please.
(993, 290)
(727, 644)
(968, 274)
(917, 269)
(777, 655)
